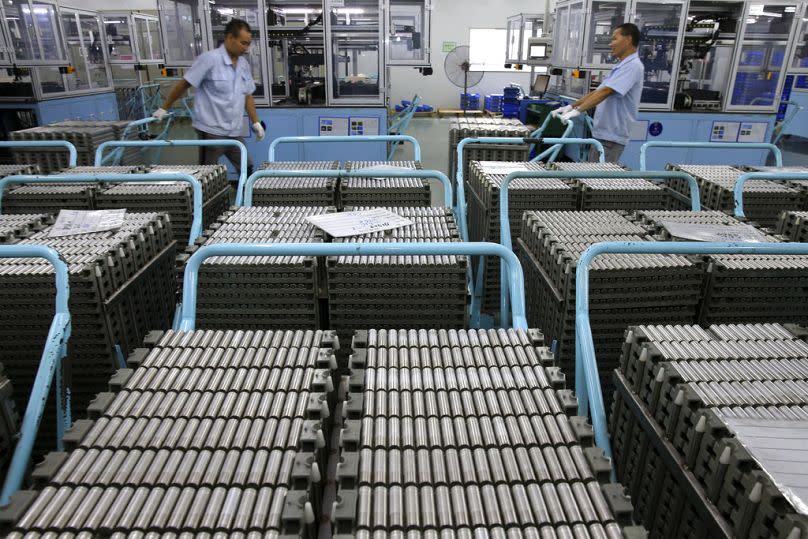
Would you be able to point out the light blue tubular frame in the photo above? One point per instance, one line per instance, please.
(73, 153)
(514, 273)
(461, 193)
(587, 382)
(247, 190)
(551, 153)
(401, 122)
(504, 222)
(777, 176)
(114, 157)
(50, 368)
(242, 172)
(538, 133)
(778, 155)
(196, 224)
(354, 138)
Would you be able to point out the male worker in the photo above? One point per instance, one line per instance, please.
(617, 98)
(224, 87)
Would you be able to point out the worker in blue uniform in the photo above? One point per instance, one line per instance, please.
(617, 98)
(224, 88)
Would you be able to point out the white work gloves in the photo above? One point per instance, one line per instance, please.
(160, 114)
(570, 115)
(258, 129)
(560, 111)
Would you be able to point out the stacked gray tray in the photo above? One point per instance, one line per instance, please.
(612, 194)
(296, 191)
(762, 200)
(801, 185)
(713, 420)
(13, 228)
(792, 225)
(468, 434)
(85, 136)
(624, 289)
(266, 292)
(52, 197)
(461, 128)
(400, 291)
(742, 288)
(16, 170)
(130, 155)
(524, 194)
(377, 192)
(207, 433)
(173, 198)
(121, 286)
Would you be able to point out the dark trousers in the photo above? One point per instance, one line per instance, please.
(209, 155)
(612, 151)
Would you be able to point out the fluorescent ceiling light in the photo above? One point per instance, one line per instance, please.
(300, 11)
(350, 11)
(226, 10)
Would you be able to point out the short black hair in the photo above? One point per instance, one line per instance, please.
(630, 29)
(235, 26)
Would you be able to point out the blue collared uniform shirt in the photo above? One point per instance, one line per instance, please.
(221, 89)
(616, 113)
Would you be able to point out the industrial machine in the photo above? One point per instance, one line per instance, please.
(714, 69)
(309, 56)
(136, 61)
(56, 61)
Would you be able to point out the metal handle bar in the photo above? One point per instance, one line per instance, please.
(587, 382)
(739, 183)
(49, 367)
(514, 269)
(353, 138)
(196, 224)
(778, 155)
(72, 159)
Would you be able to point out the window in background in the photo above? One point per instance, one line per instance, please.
(487, 51)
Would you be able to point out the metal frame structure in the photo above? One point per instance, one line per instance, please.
(516, 24)
(505, 229)
(38, 57)
(50, 367)
(73, 153)
(354, 138)
(200, 23)
(573, 38)
(513, 269)
(587, 381)
(196, 225)
(144, 144)
(778, 155)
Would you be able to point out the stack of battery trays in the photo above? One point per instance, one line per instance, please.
(708, 429)
(253, 292)
(550, 246)
(614, 194)
(207, 432)
(524, 194)
(173, 198)
(376, 192)
(763, 200)
(16, 170)
(801, 185)
(13, 228)
(468, 434)
(52, 197)
(400, 291)
(793, 225)
(296, 191)
(121, 286)
(85, 136)
(461, 128)
(9, 420)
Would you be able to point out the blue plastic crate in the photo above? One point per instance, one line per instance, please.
(493, 102)
(469, 101)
